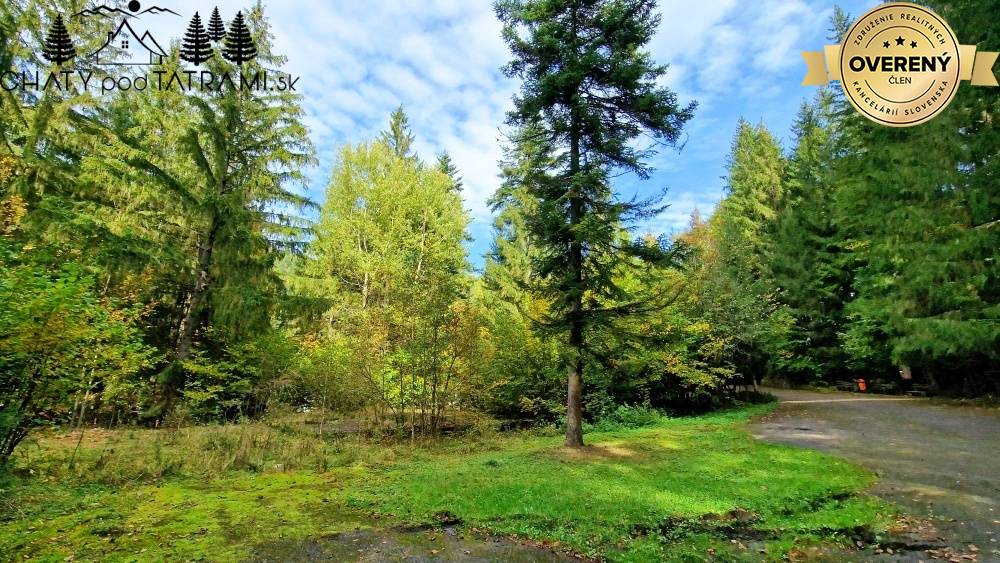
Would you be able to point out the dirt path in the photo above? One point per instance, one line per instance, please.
(411, 546)
(934, 461)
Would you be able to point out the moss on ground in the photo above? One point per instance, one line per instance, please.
(684, 489)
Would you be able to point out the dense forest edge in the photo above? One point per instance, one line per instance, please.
(159, 264)
(160, 272)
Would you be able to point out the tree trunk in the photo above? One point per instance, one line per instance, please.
(574, 392)
(17, 433)
(192, 308)
(574, 401)
(172, 378)
(931, 380)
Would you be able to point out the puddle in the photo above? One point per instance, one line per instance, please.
(372, 546)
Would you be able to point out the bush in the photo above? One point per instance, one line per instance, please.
(58, 343)
(627, 417)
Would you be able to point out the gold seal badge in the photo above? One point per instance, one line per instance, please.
(900, 65)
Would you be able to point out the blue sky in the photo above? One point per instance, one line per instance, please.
(440, 59)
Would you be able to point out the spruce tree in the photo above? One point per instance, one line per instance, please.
(240, 47)
(527, 364)
(399, 137)
(246, 150)
(754, 195)
(510, 262)
(805, 256)
(216, 27)
(59, 47)
(592, 90)
(197, 46)
(919, 209)
(740, 228)
(447, 166)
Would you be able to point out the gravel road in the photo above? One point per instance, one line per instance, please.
(935, 461)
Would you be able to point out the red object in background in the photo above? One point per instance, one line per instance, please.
(862, 385)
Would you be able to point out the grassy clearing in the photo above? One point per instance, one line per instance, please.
(679, 490)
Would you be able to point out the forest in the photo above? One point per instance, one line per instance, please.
(159, 267)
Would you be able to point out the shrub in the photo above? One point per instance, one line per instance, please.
(58, 343)
(627, 417)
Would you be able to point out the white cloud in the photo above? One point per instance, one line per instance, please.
(441, 59)
(683, 204)
(718, 44)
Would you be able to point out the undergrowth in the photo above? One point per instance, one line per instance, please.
(647, 488)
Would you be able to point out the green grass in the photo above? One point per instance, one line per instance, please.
(678, 490)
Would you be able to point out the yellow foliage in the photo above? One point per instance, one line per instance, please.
(7, 170)
(699, 328)
(12, 210)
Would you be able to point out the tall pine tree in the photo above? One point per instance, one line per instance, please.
(754, 195)
(510, 263)
(246, 149)
(399, 137)
(740, 230)
(447, 166)
(527, 361)
(805, 257)
(918, 207)
(591, 90)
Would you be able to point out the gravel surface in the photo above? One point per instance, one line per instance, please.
(934, 461)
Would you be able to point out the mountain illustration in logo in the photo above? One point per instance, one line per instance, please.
(158, 10)
(125, 46)
(103, 11)
(133, 11)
